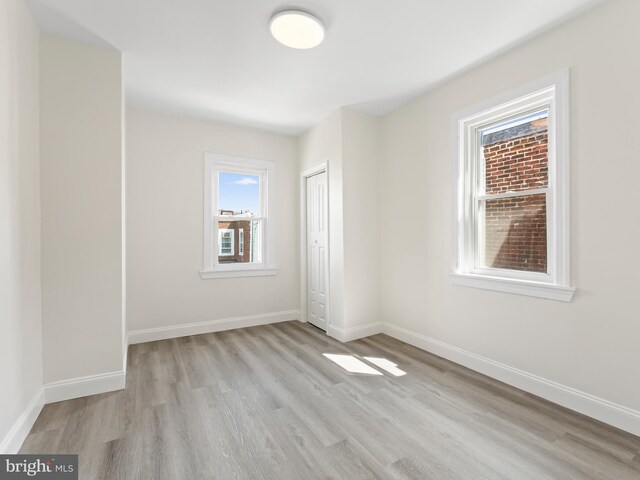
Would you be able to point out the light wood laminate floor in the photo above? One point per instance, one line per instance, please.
(264, 403)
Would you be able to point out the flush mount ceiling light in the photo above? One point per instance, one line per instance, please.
(297, 29)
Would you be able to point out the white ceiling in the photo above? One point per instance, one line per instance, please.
(216, 59)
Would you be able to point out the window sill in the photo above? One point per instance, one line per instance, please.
(519, 287)
(245, 272)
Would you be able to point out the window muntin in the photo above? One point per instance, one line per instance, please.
(237, 199)
(511, 220)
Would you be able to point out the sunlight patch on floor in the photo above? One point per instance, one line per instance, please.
(351, 364)
(386, 365)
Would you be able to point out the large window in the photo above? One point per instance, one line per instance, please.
(238, 221)
(511, 220)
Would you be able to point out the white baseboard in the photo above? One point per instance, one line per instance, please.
(84, 386)
(175, 331)
(608, 412)
(354, 333)
(13, 440)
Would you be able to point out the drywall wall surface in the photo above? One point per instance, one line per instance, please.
(165, 202)
(322, 144)
(81, 178)
(20, 306)
(590, 344)
(361, 219)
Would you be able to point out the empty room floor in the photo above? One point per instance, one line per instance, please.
(265, 403)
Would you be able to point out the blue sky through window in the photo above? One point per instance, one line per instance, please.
(239, 192)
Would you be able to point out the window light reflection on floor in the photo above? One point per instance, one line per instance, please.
(351, 364)
(386, 365)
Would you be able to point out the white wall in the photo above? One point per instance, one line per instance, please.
(590, 344)
(323, 144)
(20, 309)
(349, 143)
(165, 227)
(360, 168)
(81, 155)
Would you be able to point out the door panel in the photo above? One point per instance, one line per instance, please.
(317, 249)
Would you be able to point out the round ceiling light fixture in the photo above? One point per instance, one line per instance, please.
(297, 29)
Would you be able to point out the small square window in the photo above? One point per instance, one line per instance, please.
(225, 243)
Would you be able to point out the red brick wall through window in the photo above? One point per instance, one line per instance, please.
(515, 229)
(236, 226)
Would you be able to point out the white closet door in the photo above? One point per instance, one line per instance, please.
(317, 250)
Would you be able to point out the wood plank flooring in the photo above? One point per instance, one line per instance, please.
(264, 403)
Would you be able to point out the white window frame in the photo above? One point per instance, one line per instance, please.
(264, 169)
(241, 241)
(551, 93)
(222, 231)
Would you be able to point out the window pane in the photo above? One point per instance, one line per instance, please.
(225, 241)
(516, 155)
(240, 241)
(238, 194)
(514, 233)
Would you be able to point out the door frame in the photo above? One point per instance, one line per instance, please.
(323, 167)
